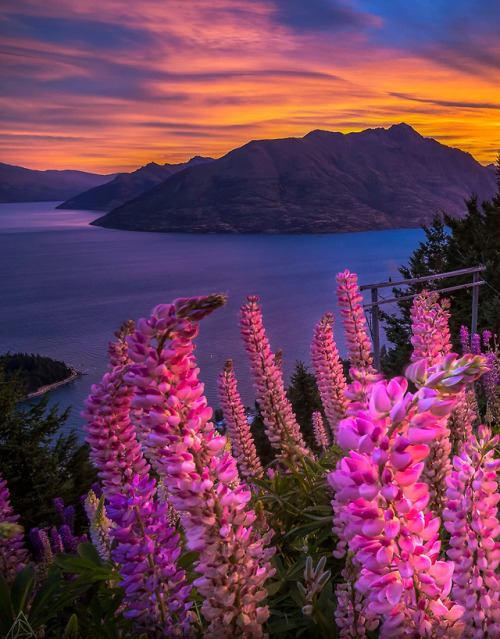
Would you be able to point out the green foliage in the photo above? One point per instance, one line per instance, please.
(305, 399)
(34, 371)
(37, 460)
(297, 507)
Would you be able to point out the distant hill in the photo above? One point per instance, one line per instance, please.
(322, 183)
(26, 185)
(127, 186)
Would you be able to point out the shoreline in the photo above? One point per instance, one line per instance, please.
(45, 389)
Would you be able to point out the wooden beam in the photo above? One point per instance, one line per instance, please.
(427, 278)
(410, 297)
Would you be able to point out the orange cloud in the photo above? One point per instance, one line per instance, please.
(97, 86)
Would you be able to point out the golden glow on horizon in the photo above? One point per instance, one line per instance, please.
(212, 79)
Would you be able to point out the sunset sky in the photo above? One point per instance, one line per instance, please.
(109, 85)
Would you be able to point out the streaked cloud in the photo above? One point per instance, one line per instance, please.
(109, 85)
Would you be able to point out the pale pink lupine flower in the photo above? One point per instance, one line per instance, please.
(395, 545)
(320, 433)
(471, 517)
(461, 421)
(237, 426)
(431, 342)
(282, 428)
(329, 373)
(200, 479)
(13, 552)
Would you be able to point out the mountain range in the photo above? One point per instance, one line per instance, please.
(18, 184)
(127, 186)
(322, 183)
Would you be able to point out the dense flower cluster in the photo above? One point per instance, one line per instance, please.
(320, 433)
(200, 479)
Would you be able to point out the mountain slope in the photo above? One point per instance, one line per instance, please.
(127, 186)
(321, 183)
(18, 184)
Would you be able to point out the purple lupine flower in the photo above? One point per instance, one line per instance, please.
(56, 543)
(282, 428)
(237, 425)
(12, 550)
(465, 339)
(68, 540)
(199, 477)
(329, 373)
(486, 340)
(69, 518)
(476, 344)
(42, 550)
(156, 591)
(96, 488)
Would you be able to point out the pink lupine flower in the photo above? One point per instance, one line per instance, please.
(362, 373)
(431, 335)
(393, 540)
(13, 553)
(471, 517)
(357, 340)
(319, 431)
(156, 591)
(465, 339)
(282, 428)
(199, 478)
(329, 373)
(237, 425)
(115, 449)
(460, 423)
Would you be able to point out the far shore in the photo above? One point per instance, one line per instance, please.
(49, 387)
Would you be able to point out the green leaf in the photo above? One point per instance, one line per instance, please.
(22, 588)
(71, 630)
(89, 551)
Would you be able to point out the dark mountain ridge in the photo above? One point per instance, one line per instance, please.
(127, 186)
(18, 184)
(322, 183)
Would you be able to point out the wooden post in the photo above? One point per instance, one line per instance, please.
(375, 329)
(475, 300)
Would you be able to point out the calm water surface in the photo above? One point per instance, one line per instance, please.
(65, 287)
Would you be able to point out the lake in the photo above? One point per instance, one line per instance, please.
(67, 286)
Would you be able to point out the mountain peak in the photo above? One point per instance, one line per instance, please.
(403, 130)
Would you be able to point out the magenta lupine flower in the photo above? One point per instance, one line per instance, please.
(349, 614)
(282, 428)
(329, 373)
(460, 423)
(115, 449)
(431, 335)
(12, 550)
(319, 431)
(394, 543)
(238, 429)
(471, 517)
(187, 453)
(156, 592)
(56, 543)
(487, 335)
(465, 339)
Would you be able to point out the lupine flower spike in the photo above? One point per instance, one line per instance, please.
(200, 480)
(282, 428)
(431, 342)
(320, 433)
(471, 517)
(237, 425)
(329, 373)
